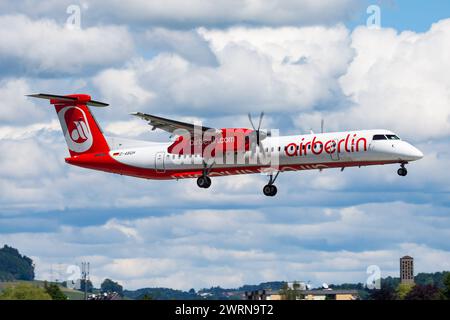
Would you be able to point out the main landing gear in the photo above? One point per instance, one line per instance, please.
(270, 189)
(204, 181)
(402, 170)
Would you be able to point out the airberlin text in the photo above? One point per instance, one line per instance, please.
(351, 143)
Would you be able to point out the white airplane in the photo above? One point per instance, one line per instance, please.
(201, 152)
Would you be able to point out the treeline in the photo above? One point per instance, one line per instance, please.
(428, 286)
(14, 266)
(213, 293)
(160, 294)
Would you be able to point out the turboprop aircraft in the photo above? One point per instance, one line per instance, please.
(201, 152)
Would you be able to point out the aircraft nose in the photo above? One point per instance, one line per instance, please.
(414, 153)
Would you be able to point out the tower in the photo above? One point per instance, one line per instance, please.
(407, 270)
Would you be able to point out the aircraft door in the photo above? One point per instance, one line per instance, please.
(335, 155)
(159, 162)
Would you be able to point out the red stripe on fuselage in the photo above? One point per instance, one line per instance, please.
(104, 162)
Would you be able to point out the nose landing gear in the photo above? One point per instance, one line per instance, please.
(402, 170)
(270, 189)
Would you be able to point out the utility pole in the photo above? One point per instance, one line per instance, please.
(85, 276)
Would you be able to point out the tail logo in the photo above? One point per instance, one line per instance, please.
(79, 133)
(76, 129)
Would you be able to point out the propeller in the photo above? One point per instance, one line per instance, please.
(259, 135)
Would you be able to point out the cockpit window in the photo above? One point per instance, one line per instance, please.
(379, 137)
(392, 137)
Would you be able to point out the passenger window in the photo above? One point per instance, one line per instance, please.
(392, 137)
(379, 137)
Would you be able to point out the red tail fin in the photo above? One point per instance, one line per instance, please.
(81, 130)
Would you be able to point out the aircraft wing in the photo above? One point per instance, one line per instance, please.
(168, 125)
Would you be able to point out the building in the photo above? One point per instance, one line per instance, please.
(325, 294)
(331, 295)
(256, 295)
(407, 270)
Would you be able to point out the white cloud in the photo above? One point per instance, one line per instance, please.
(45, 47)
(230, 247)
(15, 107)
(397, 81)
(236, 11)
(121, 88)
(188, 44)
(178, 13)
(281, 69)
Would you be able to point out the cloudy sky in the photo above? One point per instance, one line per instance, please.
(299, 61)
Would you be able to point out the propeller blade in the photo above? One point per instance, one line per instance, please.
(257, 133)
(251, 122)
(260, 119)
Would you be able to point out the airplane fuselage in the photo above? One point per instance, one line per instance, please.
(284, 153)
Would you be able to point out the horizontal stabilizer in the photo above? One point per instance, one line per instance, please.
(76, 98)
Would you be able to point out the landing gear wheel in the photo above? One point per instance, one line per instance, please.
(270, 190)
(208, 182)
(274, 191)
(402, 172)
(204, 182)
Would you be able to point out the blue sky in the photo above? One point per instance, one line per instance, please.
(215, 63)
(414, 15)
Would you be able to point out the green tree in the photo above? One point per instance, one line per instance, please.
(424, 292)
(110, 286)
(146, 297)
(293, 293)
(24, 291)
(446, 289)
(403, 289)
(54, 291)
(386, 292)
(14, 266)
(89, 285)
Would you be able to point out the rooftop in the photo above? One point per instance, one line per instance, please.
(326, 292)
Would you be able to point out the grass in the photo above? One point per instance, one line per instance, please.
(70, 293)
